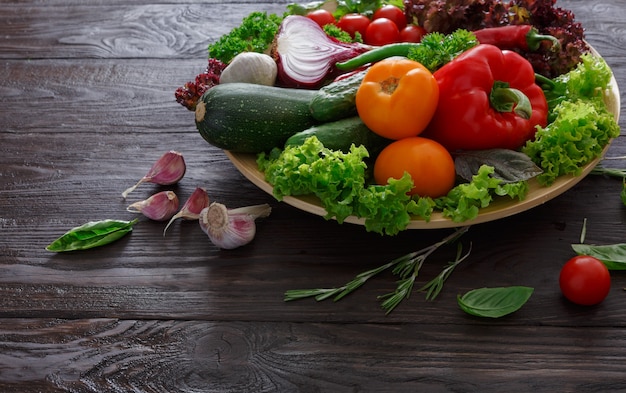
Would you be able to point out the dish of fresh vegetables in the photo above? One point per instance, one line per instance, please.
(498, 208)
(469, 121)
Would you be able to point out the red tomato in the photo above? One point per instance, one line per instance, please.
(321, 17)
(412, 33)
(585, 280)
(393, 13)
(382, 31)
(352, 23)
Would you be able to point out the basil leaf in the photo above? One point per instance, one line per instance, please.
(510, 166)
(92, 234)
(494, 302)
(612, 255)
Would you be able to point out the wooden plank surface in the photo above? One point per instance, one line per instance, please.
(86, 90)
(113, 355)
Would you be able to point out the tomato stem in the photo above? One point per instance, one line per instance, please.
(389, 85)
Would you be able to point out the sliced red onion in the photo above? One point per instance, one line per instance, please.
(306, 55)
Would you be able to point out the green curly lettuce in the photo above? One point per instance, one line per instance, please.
(465, 200)
(384, 207)
(577, 136)
(339, 180)
(588, 81)
(311, 168)
(580, 123)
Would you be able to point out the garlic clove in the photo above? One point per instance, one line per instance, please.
(198, 200)
(159, 207)
(229, 229)
(168, 169)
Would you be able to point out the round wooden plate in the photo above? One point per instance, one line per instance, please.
(499, 208)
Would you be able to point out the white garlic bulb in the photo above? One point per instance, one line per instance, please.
(231, 228)
(250, 67)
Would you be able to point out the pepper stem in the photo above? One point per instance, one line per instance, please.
(544, 82)
(506, 99)
(534, 40)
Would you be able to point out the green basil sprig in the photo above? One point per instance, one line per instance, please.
(92, 234)
(612, 255)
(494, 302)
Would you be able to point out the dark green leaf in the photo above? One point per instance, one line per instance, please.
(92, 234)
(494, 302)
(510, 166)
(612, 255)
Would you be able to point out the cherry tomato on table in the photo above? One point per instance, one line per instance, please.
(321, 17)
(381, 31)
(430, 165)
(352, 23)
(412, 33)
(393, 13)
(585, 280)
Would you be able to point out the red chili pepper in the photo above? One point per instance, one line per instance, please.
(524, 37)
(487, 99)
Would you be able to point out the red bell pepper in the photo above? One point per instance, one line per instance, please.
(488, 99)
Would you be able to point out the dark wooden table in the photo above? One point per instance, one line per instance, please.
(87, 105)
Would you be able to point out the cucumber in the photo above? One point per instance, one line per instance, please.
(337, 100)
(341, 134)
(250, 118)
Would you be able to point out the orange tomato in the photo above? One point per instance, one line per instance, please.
(397, 98)
(430, 165)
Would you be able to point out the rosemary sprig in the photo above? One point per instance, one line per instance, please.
(434, 286)
(339, 292)
(407, 267)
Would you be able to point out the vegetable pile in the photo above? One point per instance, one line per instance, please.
(390, 111)
(342, 102)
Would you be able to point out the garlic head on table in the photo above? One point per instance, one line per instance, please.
(231, 228)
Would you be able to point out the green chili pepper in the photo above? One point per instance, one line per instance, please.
(375, 55)
(92, 234)
(433, 51)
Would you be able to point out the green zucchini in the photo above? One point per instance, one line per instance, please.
(337, 100)
(341, 134)
(249, 118)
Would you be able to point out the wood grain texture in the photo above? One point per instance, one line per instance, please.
(114, 355)
(87, 98)
(87, 30)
